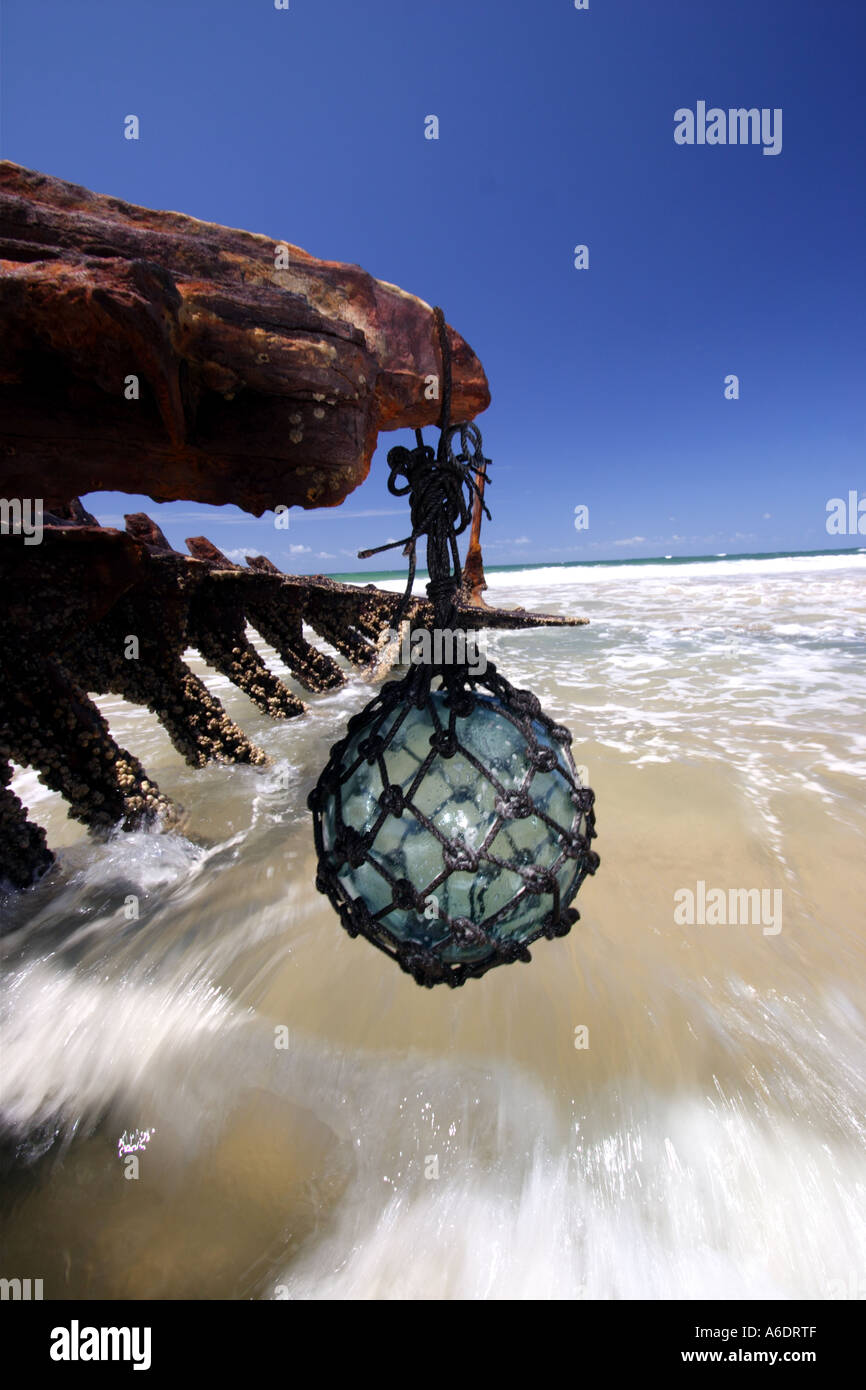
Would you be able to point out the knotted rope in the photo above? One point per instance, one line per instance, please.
(442, 488)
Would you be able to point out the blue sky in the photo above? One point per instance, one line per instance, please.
(556, 129)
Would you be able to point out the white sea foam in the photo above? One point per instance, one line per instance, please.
(695, 1206)
(74, 1044)
(554, 576)
(716, 1149)
(643, 1192)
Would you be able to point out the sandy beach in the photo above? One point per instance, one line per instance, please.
(651, 1109)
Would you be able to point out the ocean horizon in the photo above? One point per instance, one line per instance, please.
(385, 577)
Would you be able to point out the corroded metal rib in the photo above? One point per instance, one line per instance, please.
(166, 602)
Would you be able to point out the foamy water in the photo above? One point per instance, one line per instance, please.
(709, 1140)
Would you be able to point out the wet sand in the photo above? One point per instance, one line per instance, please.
(707, 1142)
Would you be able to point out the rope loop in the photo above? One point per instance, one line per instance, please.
(442, 487)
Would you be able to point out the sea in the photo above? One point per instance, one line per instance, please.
(664, 1104)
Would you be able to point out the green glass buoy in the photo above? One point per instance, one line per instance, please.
(453, 835)
(451, 828)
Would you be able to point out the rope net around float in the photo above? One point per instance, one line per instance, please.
(450, 825)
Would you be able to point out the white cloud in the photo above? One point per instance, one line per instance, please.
(239, 555)
(299, 549)
(632, 540)
(325, 555)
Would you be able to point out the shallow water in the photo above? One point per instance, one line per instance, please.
(707, 1143)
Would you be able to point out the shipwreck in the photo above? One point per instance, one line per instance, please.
(148, 352)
